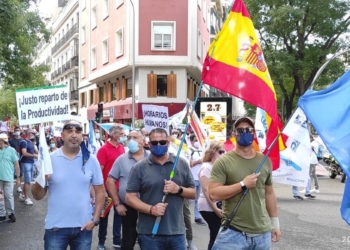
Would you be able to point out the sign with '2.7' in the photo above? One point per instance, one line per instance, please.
(43, 104)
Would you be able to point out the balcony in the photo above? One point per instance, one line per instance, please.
(74, 95)
(73, 62)
(48, 60)
(70, 33)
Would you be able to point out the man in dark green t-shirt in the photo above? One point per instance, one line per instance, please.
(232, 174)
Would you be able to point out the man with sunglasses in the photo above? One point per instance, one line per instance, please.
(148, 181)
(70, 218)
(106, 156)
(256, 223)
(120, 172)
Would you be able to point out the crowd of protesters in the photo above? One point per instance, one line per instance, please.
(134, 170)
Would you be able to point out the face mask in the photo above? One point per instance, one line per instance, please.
(32, 137)
(85, 141)
(159, 150)
(52, 145)
(146, 139)
(16, 133)
(174, 136)
(245, 139)
(122, 139)
(133, 146)
(196, 144)
(97, 136)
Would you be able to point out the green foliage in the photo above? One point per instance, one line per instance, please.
(296, 37)
(20, 32)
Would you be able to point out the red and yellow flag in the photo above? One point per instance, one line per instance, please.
(235, 64)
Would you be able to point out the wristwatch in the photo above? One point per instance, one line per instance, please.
(96, 222)
(243, 186)
(180, 190)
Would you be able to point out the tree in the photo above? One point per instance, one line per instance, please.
(20, 32)
(296, 37)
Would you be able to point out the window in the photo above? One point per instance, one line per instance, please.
(101, 93)
(118, 3)
(163, 35)
(204, 51)
(83, 99)
(161, 85)
(119, 43)
(114, 91)
(93, 18)
(82, 69)
(129, 87)
(199, 44)
(93, 58)
(83, 34)
(91, 97)
(105, 51)
(62, 32)
(83, 4)
(204, 10)
(105, 9)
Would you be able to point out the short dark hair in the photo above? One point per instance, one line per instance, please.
(158, 131)
(244, 120)
(192, 136)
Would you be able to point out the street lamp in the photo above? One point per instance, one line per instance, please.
(133, 68)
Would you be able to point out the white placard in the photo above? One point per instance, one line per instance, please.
(155, 117)
(43, 104)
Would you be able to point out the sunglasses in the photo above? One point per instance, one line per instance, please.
(244, 130)
(221, 152)
(162, 142)
(174, 133)
(77, 127)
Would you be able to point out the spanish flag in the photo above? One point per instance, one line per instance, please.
(235, 64)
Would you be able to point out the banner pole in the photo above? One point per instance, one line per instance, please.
(172, 173)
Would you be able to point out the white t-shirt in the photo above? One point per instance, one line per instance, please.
(313, 156)
(205, 170)
(196, 155)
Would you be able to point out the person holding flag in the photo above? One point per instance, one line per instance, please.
(256, 217)
(147, 183)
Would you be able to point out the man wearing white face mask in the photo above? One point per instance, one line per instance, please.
(120, 172)
(106, 156)
(145, 134)
(99, 143)
(195, 164)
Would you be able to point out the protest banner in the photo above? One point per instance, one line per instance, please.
(198, 130)
(185, 153)
(3, 126)
(42, 104)
(155, 117)
(295, 159)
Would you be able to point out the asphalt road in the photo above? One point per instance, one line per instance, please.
(308, 224)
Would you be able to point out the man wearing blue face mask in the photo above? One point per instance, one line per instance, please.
(120, 172)
(106, 156)
(148, 181)
(256, 222)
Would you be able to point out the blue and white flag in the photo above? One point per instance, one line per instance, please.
(44, 160)
(329, 112)
(92, 147)
(295, 159)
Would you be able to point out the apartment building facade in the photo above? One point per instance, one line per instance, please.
(171, 41)
(65, 49)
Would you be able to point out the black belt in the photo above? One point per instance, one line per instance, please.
(235, 229)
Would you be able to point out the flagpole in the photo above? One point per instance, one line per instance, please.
(172, 173)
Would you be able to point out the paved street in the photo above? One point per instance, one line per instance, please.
(308, 224)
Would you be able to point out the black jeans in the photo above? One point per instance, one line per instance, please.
(102, 230)
(214, 224)
(129, 222)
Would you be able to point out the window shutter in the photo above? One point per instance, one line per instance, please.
(97, 95)
(123, 88)
(171, 86)
(151, 85)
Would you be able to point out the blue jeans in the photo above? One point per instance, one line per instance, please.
(296, 190)
(230, 239)
(197, 214)
(60, 238)
(27, 170)
(161, 242)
